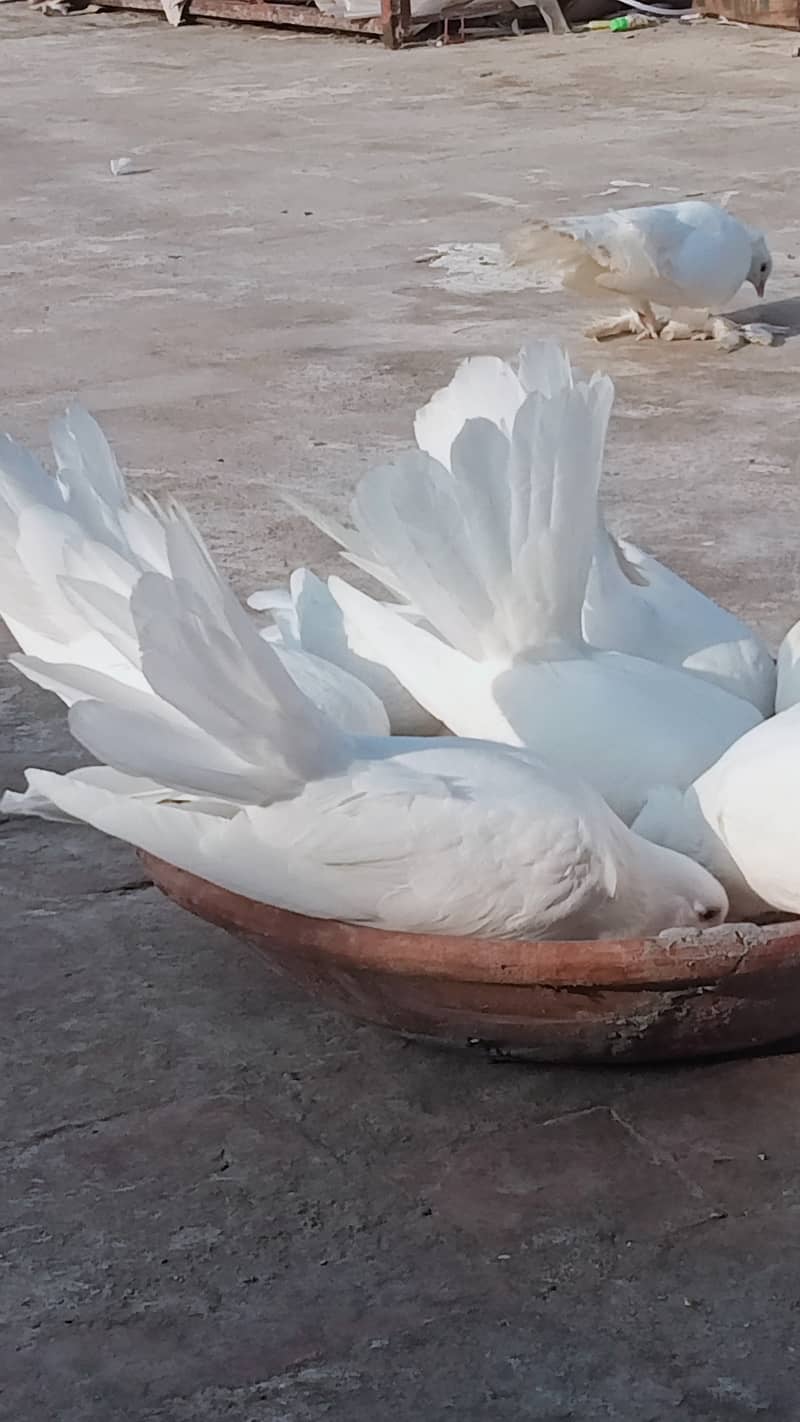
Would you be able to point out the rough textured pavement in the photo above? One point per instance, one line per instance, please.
(220, 1200)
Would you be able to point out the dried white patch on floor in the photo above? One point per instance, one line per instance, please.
(496, 200)
(470, 267)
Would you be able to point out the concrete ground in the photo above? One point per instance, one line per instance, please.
(222, 1201)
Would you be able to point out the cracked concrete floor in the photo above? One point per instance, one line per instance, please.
(221, 1200)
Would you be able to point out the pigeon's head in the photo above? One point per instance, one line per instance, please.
(693, 898)
(681, 853)
(760, 264)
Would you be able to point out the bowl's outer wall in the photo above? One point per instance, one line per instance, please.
(623, 1001)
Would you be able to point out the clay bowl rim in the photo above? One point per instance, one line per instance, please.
(673, 960)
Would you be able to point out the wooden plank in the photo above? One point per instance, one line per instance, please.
(306, 17)
(780, 14)
(395, 24)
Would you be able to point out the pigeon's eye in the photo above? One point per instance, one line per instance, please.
(763, 268)
(707, 915)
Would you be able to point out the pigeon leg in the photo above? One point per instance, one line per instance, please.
(650, 326)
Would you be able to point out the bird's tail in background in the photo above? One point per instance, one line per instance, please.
(537, 244)
(557, 253)
(534, 244)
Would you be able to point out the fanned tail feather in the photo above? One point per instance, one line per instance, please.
(352, 543)
(488, 528)
(80, 524)
(201, 654)
(496, 554)
(482, 387)
(86, 462)
(119, 609)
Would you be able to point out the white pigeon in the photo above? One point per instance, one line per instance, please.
(307, 618)
(689, 255)
(83, 525)
(633, 603)
(495, 555)
(788, 689)
(740, 819)
(223, 768)
(493, 551)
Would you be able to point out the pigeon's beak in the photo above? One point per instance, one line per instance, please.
(760, 287)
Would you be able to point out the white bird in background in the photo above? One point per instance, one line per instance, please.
(633, 603)
(213, 759)
(57, 534)
(685, 256)
(495, 552)
(740, 819)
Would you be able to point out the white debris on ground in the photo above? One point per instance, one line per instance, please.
(474, 267)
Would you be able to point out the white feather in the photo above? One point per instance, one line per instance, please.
(349, 703)
(318, 625)
(637, 605)
(483, 385)
(35, 803)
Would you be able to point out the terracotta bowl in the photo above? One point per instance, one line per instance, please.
(726, 990)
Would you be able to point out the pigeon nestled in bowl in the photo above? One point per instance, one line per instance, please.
(566, 682)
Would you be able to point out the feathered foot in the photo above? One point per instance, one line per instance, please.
(688, 326)
(613, 326)
(728, 335)
(643, 324)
